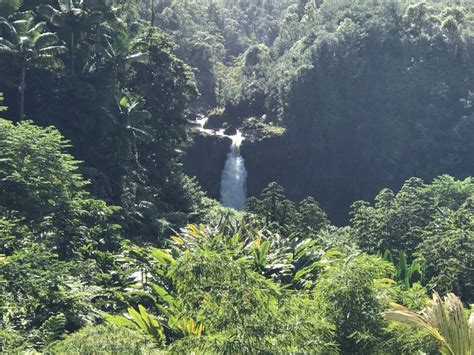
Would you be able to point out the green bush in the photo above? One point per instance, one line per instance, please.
(11, 341)
(432, 223)
(353, 294)
(404, 339)
(40, 188)
(57, 242)
(41, 298)
(104, 339)
(243, 311)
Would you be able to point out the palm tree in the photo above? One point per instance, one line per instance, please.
(29, 46)
(74, 20)
(443, 319)
(153, 13)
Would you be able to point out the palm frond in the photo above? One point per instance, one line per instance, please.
(411, 318)
(52, 50)
(7, 31)
(45, 40)
(7, 43)
(443, 319)
(21, 26)
(35, 31)
(6, 50)
(22, 15)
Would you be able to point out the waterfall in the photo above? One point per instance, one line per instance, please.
(234, 176)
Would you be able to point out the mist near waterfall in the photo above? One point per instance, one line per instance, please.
(234, 176)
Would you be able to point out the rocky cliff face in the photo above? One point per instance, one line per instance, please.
(266, 160)
(288, 162)
(296, 165)
(205, 159)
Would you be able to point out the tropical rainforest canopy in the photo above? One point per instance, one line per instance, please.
(353, 152)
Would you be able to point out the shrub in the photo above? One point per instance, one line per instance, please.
(353, 294)
(11, 341)
(104, 339)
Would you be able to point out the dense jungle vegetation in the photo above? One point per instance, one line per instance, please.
(363, 245)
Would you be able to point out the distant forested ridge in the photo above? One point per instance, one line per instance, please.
(357, 236)
(370, 93)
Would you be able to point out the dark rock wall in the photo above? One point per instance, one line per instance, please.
(302, 174)
(205, 159)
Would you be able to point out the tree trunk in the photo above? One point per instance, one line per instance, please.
(153, 15)
(22, 92)
(73, 59)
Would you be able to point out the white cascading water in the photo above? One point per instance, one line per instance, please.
(234, 176)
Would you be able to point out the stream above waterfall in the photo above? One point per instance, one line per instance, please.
(233, 191)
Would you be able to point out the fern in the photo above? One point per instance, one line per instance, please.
(51, 330)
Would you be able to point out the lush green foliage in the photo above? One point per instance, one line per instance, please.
(431, 222)
(357, 94)
(380, 91)
(213, 298)
(406, 275)
(212, 35)
(242, 311)
(402, 338)
(104, 339)
(26, 44)
(43, 198)
(354, 294)
(57, 241)
(257, 282)
(118, 94)
(277, 212)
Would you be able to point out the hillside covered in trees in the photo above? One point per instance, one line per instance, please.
(245, 176)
